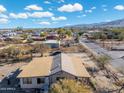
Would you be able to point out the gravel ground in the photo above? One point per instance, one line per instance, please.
(8, 68)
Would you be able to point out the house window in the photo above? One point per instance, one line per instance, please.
(40, 80)
(27, 80)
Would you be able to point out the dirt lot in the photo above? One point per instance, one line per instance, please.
(75, 48)
(7, 68)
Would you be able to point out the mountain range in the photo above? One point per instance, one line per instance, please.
(116, 23)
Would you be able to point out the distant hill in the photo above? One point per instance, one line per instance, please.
(116, 23)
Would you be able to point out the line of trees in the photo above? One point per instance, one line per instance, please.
(110, 34)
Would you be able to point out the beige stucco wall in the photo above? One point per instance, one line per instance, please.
(48, 80)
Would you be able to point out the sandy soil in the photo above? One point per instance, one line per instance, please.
(7, 68)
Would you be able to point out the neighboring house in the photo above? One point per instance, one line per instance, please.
(52, 36)
(36, 34)
(9, 34)
(5, 30)
(52, 43)
(37, 38)
(42, 72)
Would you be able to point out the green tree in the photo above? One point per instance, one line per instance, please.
(77, 38)
(40, 48)
(103, 60)
(42, 34)
(29, 31)
(121, 36)
(11, 52)
(24, 36)
(97, 35)
(103, 36)
(69, 86)
(19, 28)
(81, 33)
(60, 31)
(68, 33)
(43, 49)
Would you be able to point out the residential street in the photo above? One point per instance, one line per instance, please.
(117, 56)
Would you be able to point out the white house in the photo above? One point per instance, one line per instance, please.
(42, 72)
(9, 34)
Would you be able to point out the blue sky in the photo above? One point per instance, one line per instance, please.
(56, 13)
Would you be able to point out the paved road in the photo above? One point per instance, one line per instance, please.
(117, 56)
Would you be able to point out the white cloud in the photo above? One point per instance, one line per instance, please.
(105, 9)
(84, 15)
(3, 20)
(119, 7)
(40, 14)
(33, 7)
(67, 24)
(3, 16)
(33, 15)
(108, 20)
(19, 15)
(2, 9)
(47, 2)
(71, 8)
(44, 23)
(59, 18)
(88, 11)
(61, 1)
(93, 8)
(81, 16)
